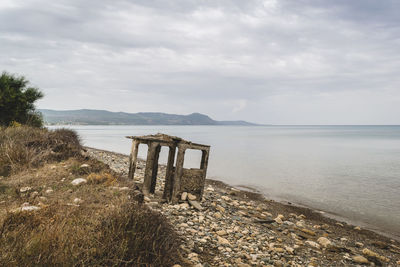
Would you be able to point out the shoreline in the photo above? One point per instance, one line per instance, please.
(291, 203)
(239, 226)
(328, 214)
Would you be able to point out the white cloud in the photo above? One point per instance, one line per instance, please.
(271, 61)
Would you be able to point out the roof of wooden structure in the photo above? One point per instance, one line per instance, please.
(164, 138)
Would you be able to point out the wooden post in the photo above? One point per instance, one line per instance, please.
(148, 174)
(178, 174)
(133, 159)
(168, 173)
(203, 166)
(155, 169)
(204, 159)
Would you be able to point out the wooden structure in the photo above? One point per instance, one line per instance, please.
(177, 178)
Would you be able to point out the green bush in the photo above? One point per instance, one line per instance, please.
(17, 101)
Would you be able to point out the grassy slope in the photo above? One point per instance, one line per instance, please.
(93, 224)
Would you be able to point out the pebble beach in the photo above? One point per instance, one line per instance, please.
(233, 227)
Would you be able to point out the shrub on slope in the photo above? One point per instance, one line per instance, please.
(25, 147)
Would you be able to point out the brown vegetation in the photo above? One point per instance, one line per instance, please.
(93, 224)
(24, 147)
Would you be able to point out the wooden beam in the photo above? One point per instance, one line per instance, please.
(148, 174)
(204, 166)
(168, 173)
(155, 169)
(178, 174)
(133, 159)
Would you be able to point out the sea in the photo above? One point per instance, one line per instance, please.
(351, 173)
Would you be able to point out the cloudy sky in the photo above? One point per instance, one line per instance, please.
(272, 61)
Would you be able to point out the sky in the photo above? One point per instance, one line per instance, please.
(271, 61)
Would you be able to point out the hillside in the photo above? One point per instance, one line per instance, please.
(103, 117)
(59, 207)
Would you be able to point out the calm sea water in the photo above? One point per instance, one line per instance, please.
(350, 171)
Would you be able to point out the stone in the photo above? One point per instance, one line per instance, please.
(49, 191)
(84, 166)
(288, 223)
(220, 209)
(218, 215)
(25, 189)
(210, 188)
(307, 231)
(124, 188)
(289, 249)
(373, 254)
(360, 259)
(79, 181)
(78, 200)
(294, 236)
(359, 244)
(193, 256)
(226, 198)
(324, 226)
(325, 242)
(357, 228)
(238, 260)
(184, 205)
(223, 241)
(176, 265)
(30, 208)
(195, 204)
(278, 220)
(191, 197)
(184, 196)
(185, 225)
(201, 219)
(221, 232)
(312, 244)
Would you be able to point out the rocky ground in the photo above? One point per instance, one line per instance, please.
(239, 228)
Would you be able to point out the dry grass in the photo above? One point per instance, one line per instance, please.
(62, 235)
(104, 228)
(24, 147)
(104, 177)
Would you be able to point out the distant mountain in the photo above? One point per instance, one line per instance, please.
(103, 117)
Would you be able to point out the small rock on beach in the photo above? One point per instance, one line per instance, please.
(79, 181)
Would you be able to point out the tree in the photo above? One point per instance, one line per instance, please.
(17, 101)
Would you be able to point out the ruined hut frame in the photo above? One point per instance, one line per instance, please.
(177, 178)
